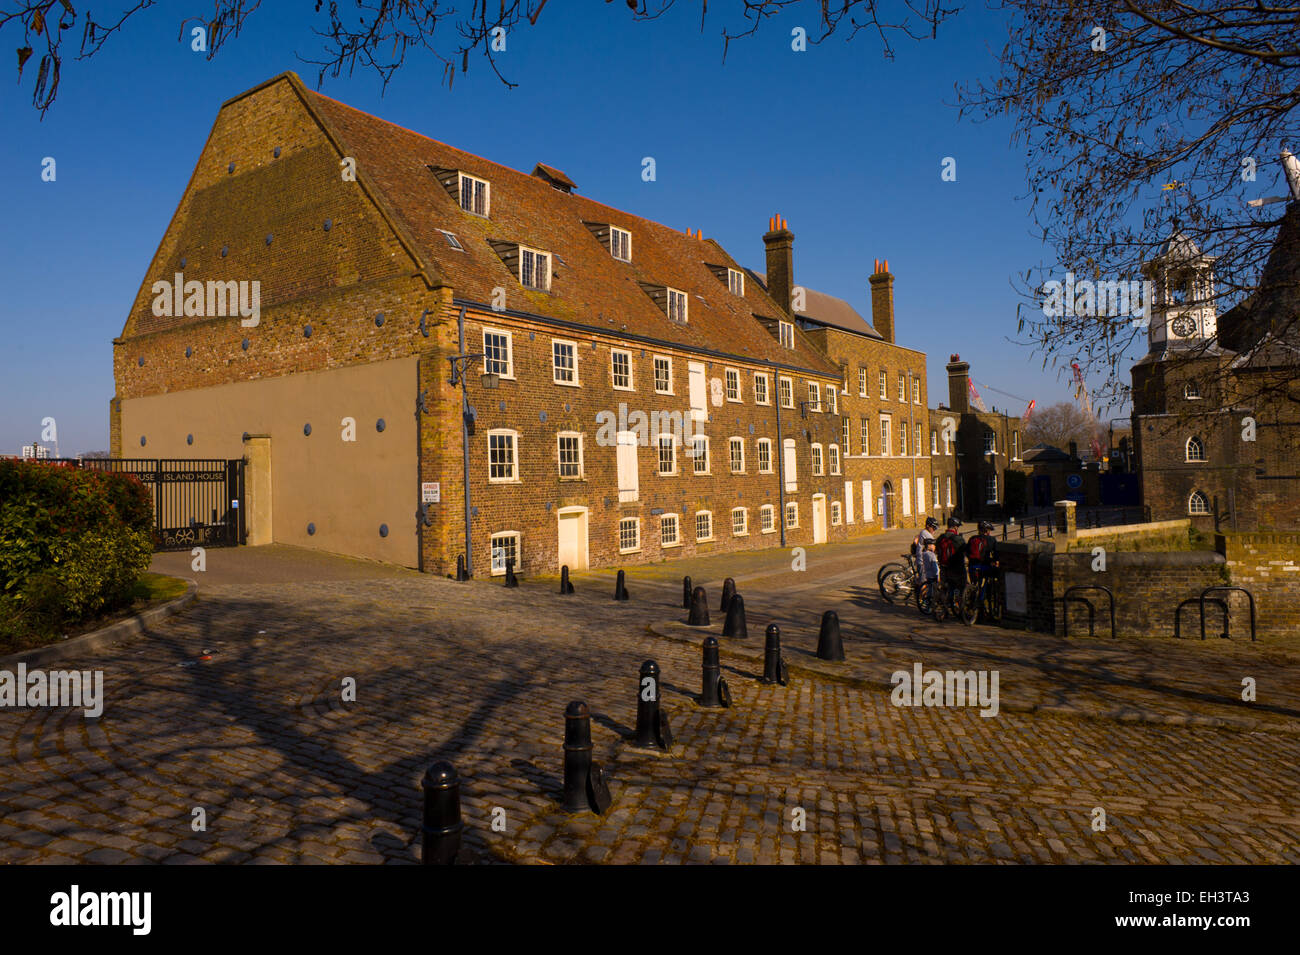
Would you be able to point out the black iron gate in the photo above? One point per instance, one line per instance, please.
(197, 501)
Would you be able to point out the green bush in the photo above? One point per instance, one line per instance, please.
(72, 542)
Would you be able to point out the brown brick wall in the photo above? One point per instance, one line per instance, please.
(1268, 565)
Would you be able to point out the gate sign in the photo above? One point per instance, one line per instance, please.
(1074, 481)
(431, 492)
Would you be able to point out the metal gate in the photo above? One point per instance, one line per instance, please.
(197, 501)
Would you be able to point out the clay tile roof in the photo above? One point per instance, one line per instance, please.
(827, 310)
(588, 286)
(543, 171)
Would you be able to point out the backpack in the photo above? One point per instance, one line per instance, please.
(978, 547)
(947, 548)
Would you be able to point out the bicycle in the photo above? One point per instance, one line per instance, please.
(898, 581)
(926, 602)
(982, 598)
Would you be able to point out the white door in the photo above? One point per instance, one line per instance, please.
(819, 518)
(573, 538)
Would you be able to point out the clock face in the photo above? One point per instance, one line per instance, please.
(1183, 326)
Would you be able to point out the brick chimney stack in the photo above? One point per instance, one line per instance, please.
(882, 301)
(780, 262)
(958, 384)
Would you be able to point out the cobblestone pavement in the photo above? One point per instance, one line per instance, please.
(258, 736)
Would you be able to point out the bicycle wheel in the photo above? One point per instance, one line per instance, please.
(993, 604)
(883, 571)
(970, 607)
(939, 603)
(924, 598)
(895, 587)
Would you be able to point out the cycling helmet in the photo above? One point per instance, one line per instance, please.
(953, 522)
(931, 524)
(986, 526)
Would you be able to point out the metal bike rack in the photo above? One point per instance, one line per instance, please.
(1221, 589)
(1222, 604)
(1065, 612)
(1110, 598)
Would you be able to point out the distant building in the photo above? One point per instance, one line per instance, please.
(35, 452)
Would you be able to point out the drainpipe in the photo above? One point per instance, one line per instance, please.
(464, 444)
(780, 443)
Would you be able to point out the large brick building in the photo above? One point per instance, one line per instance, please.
(421, 353)
(1216, 400)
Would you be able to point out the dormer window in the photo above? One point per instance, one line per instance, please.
(787, 334)
(534, 268)
(474, 194)
(736, 282)
(677, 306)
(620, 244)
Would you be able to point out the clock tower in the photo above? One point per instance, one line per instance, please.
(1181, 296)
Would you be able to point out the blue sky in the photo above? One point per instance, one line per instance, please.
(845, 144)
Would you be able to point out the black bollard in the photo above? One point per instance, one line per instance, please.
(714, 691)
(566, 587)
(651, 723)
(442, 825)
(577, 756)
(620, 587)
(511, 579)
(699, 609)
(774, 670)
(735, 622)
(461, 573)
(728, 591)
(686, 593)
(829, 645)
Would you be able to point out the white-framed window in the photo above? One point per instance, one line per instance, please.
(764, 455)
(1195, 449)
(990, 442)
(475, 194)
(1191, 391)
(677, 306)
(834, 452)
(564, 362)
(864, 445)
(832, 401)
(663, 375)
(789, 468)
(916, 391)
(452, 240)
(947, 486)
(916, 440)
(620, 369)
(786, 331)
(902, 440)
(791, 514)
(884, 435)
(669, 531)
(934, 485)
(846, 437)
(498, 355)
(760, 389)
(862, 382)
(947, 445)
(628, 475)
(902, 386)
(534, 268)
(620, 244)
(814, 396)
(703, 525)
(767, 519)
(991, 488)
(502, 459)
(700, 454)
(736, 450)
(629, 535)
(1015, 445)
(569, 451)
(667, 449)
(733, 384)
(739, 522)
(1198, 503)
(504, 547)
(736, 282)
(884, 384)
(817, 464)
(787, 391)
(934, 441)
(837, 513)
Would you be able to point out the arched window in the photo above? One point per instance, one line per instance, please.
(1198, 503)
(1191, 390)
(1195, 449)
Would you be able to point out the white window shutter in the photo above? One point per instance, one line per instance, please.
(699, 391)
(907, 498)
(868, 510)
(848, 502)
(628, 484)
(788, 465)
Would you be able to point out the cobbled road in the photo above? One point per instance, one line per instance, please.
(1152, 733)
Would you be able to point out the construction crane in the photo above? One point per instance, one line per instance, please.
(1081, 396)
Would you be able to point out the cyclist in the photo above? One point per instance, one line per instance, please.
(926, 536)
(982, 552)
(950, 550)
